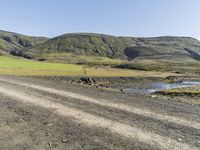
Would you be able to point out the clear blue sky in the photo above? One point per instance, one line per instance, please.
(118, 17)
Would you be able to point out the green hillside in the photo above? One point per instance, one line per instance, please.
(10, 42)
(116, 47)
(6, 47)
(156, 53)
(82, 44)
(10, 65)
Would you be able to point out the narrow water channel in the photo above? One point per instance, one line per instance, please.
(159, 86)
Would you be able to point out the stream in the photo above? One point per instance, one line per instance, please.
(160, 86)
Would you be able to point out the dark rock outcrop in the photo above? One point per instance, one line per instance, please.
(87, 80)
(131, 53)
(195, 55)
(20, 54)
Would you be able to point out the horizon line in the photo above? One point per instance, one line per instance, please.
(98, 33)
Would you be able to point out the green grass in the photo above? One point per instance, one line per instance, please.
(80, 59)
(182, 65)
(193, 94)
(190, 91)
(19, 66)
(12, 62)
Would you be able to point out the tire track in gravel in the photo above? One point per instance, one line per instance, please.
(92, 120)
(174, 131)
(103, 102)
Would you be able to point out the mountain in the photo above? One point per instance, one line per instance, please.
(125, 48)
(83, 44)
(153, 53)
(12, 42)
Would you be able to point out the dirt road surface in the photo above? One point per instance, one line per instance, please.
(46, 114)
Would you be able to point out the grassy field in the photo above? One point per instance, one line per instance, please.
(182, 65)
(190, 91)
(79, 59)
(192, 94)
(19, 66)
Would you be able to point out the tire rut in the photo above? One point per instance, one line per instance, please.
(92, 120)
(103, 102)
(174, 131)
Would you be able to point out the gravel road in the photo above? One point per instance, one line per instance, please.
(47, 114)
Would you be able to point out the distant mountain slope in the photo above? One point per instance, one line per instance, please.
(174, 46)
(155, 53)
(10, 41)
(6, 47)
(126, 48)
(83, 44)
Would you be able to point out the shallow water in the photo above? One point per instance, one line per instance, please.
(159, 86)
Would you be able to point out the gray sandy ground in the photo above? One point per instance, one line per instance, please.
(41, 114)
